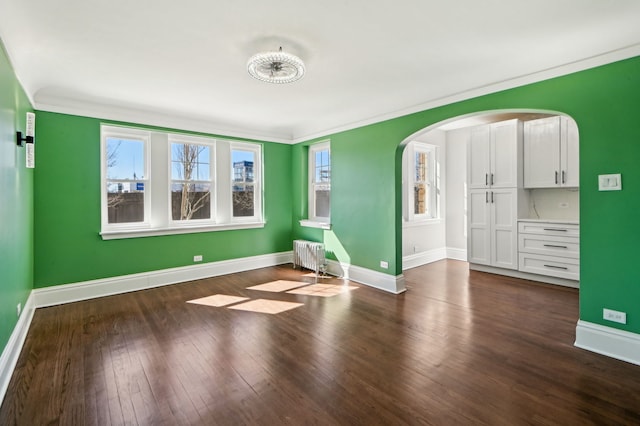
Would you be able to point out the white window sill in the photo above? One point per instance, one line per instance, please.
(423, 222)
(138, 233)
(314, 224)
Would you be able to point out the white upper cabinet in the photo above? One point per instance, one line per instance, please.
(506, 154)
(495, 155)
(569, 154)
(479, 157)
(551, 153)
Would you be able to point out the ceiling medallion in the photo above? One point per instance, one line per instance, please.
(276, 67)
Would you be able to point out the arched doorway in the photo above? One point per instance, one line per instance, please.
(435, 187)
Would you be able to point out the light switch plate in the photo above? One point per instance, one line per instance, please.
(610, 182)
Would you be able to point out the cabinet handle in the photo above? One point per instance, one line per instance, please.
(563, 179)
(557, 267)
(553, 245)
(491, 197)
(486, 179)
(491, 179)
(555, 229)
(556, 177)
(486, 197)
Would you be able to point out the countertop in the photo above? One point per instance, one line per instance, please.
(563, 221)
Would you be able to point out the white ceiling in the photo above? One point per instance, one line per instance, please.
(183, 64)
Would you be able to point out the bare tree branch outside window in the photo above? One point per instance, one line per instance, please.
(186, 161)
(112, 159)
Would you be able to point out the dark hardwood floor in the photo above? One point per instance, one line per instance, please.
(459, 347)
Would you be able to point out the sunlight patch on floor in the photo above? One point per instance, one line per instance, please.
(218, 300)
(278, 286)
(320, 276)
(266, 306)
(322, 290)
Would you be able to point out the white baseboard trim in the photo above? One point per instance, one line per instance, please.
(12, 350)
(389, 283)
(68, 293)
(457, 254)
(608, 341)
(423, 258)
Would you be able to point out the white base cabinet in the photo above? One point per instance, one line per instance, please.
(549, 248)
(493, 233)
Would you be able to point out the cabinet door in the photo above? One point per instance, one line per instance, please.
(505, 147)
(569, 154)
(479, 235)
(542, 153)
(478, 157)
(504, 228)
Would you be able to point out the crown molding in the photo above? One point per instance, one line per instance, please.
(145, 117)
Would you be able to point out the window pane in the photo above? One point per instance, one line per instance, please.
(421, 166)
(190, 201)
(125, 202)
(322, 166)
(420, 199)
(323, 200)
(190, 162)
(125, 159)
(243, 200)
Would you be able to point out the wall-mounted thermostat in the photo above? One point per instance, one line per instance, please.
(610, 182)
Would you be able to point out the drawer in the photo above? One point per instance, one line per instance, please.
(552, 229)
(549, 245)
(550, 265)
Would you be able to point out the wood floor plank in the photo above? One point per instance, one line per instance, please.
(459, 347)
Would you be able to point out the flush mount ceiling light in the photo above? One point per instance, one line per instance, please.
(276, 67)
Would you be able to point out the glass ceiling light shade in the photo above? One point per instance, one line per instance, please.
(275, 67)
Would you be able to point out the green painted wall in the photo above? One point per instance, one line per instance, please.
(67, 201)
(16, 202)
(366, 202)
(366, 209)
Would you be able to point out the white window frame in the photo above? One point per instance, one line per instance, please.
(313, 220)
(157, 207)
(133, 135)
(432, 181)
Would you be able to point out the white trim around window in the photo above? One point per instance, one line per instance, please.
(155, 183)
(421, 178)
(319, 186)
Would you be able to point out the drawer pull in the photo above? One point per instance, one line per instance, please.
(555, 229)
(555, 246)
(557, 267)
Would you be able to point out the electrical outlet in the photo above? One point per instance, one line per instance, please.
(19, 308)
(384, 264)
(615, 316)
(197, 258)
